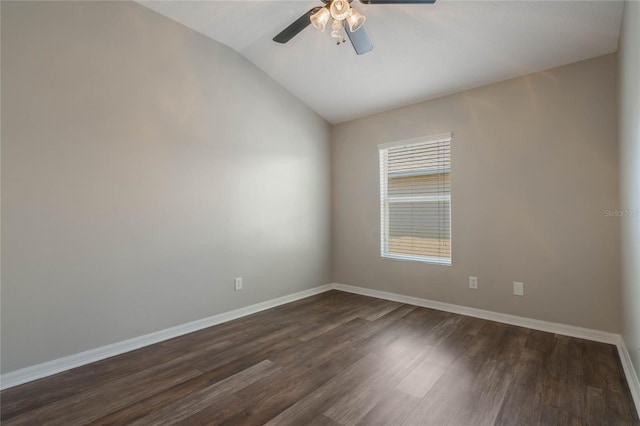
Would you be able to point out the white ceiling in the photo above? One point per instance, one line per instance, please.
(420, 51)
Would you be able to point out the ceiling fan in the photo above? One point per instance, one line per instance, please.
(345, 22)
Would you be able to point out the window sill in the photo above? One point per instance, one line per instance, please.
(422, 259)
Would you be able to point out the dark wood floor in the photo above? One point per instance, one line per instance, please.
(341, 359)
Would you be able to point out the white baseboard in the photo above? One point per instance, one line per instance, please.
(630, 373)
(551, 327)
(49, 368)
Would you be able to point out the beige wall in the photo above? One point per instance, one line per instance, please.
(143, 167)
(630, 177)
(534, 167)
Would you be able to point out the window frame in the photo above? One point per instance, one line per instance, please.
(385, 201)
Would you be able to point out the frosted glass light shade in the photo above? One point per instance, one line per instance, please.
(339, 9)
(336, 29)
(320, 18)
(355, 20)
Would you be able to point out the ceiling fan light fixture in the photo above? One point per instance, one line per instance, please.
(339, 9)
(355, 20)
(320, 18)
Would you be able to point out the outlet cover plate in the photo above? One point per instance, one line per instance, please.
(473, 283)
(518, 288)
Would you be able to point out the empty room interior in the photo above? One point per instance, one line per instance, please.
(320, 212)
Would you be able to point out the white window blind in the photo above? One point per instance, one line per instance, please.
(415, 199)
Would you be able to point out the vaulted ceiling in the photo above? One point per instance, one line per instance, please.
(420, 51)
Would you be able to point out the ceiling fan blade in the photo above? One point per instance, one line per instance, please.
(359, 39)
(298, 25)
(397, 1)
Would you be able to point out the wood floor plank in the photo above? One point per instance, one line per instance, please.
(566, 371)
(87, 406)
(318, 350)
(198, 401)
(375, 350)
(322, 359)
(216, 414)
(300, 313)
(354, 405)
(392, 409)
(168, 396)
(258, 348)
(338, 359)
(39, 393)
(266, 399)
(422, 378)
(486, 365)
(440, 403)
(481, 402)
(552, 416)
(595, 405)
(379, 309)
(314, 404)
(327, 323)
(321, 420)
(531, 382)
(618, 410)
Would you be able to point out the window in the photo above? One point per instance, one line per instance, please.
(415, 199)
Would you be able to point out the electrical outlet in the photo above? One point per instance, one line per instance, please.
(518, 288)
(238, 283)
(473, 283)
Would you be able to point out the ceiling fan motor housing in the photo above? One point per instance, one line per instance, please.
(339, 9)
